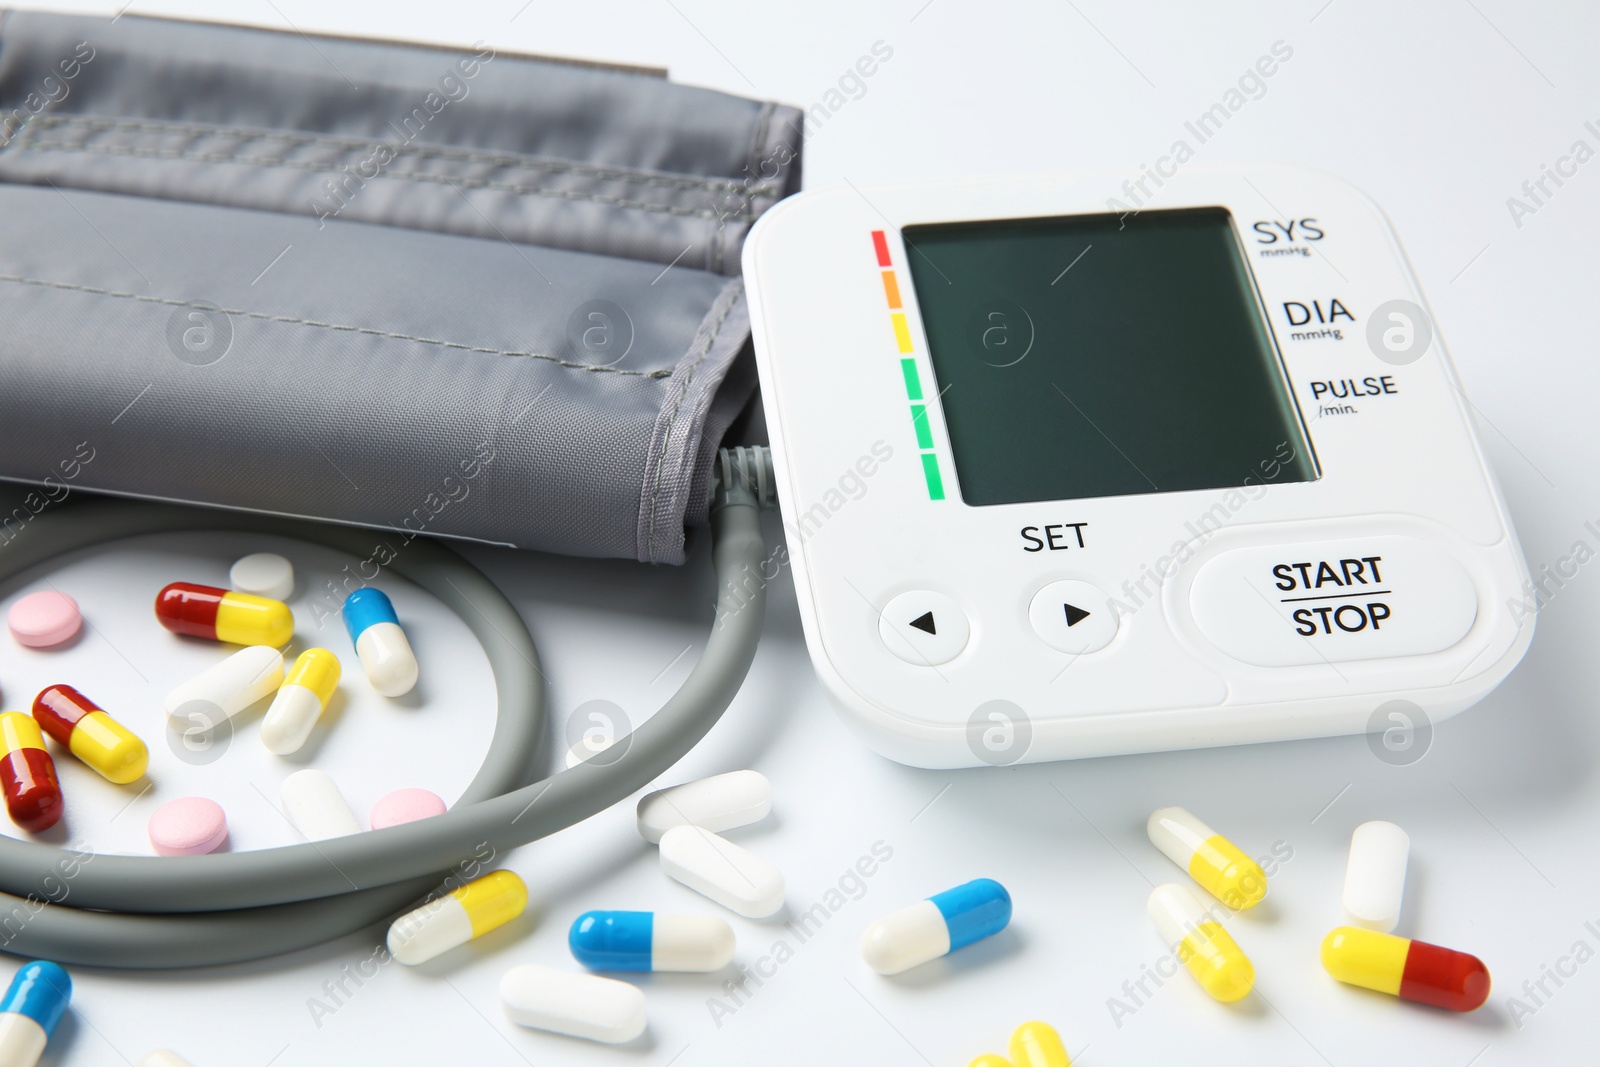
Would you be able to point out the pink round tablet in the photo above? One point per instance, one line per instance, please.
(188, 826)
(44, 619)
(405, 805)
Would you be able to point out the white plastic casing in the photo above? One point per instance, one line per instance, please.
(1202, 654)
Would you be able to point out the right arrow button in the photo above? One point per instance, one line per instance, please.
(1073, 616)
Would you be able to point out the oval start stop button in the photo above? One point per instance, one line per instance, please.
(1333, 601)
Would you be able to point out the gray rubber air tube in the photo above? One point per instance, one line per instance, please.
(189, 911)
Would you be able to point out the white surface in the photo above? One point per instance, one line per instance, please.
(1440, 112)
(1406, 464)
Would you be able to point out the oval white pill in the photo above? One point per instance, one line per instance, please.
(573, 1003)
(227, 687)
(713, 866)
(313, 803)
(721, 802)
(263, 574)
(1375, 879)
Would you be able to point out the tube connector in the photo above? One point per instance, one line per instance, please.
(744, 475)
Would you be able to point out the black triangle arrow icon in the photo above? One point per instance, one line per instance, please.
(1075, 614)
(924, 622)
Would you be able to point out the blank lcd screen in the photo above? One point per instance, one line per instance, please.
(1102, 355)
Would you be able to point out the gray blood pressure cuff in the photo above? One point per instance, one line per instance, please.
(457, 293)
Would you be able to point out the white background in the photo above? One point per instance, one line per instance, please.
(1440, 112)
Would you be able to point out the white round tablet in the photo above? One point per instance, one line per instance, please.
(263, 574)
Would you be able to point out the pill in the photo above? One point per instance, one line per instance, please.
(405, 805)
(304, 694)
(646, 941)
(28, 774)
(313, 803)
(263, 574)
(1211, 859)
(385, 652)
(90, 734)
(989, 1059)
(44, 619)
(459, 916)
(223, 690)
(740, 881)
(163, 1057)
(721, 802)
(1037, 1044)
(937, 926)
(573, 1003)
(1410, 970)
(223, 615)
(33, 1005)
(1375, 878)
(188, 826)
(1202, 945)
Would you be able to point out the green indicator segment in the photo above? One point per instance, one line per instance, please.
(908, 367)
(930, 470)
(919, 419)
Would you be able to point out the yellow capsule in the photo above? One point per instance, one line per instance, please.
(1212, 956)
(1037, 1044)
(493, 900)
(224, 615)
(989, 1059)
(301, 699)
(1410, 970)
(90, 734)
(1220, 867)
(456, 918)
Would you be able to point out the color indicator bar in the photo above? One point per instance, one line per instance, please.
(908, 367)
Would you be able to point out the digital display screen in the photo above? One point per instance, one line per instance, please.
(1103, 355)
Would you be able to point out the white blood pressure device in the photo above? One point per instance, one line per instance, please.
(1064, 478)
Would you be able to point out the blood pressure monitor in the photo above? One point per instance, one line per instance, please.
(1068, 475)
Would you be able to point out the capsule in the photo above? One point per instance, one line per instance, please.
(385, 653)
(1375, 879)
(1410, 970)
(645, 941)
(1037, 1044)
(457, 917)
(937, 926)
(223, 615)
(224, 689)
(573, 1003)
(313, 804)
(33, 1005)
(1211, 859)
(1212, 956)
(28, 774)
(303, 696)
(90, 734)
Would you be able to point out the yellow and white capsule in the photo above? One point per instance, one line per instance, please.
(1037, 1044)
(1211, 859)
(458, 917)
(1212, 956)
(303, 696)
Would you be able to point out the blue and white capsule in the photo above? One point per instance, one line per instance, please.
(385, 653)
(30, 1010)
(645, 941)
(937, 926)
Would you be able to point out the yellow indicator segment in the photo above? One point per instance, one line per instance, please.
(1227, 873)
(989, 1059)
(19, 731)
(902, 332)
(891, 289)
(1037, 1044)
(1217, 962)
(317, 669)
(109, 747)
(243, 619)
(1366, 958)
(492, 901)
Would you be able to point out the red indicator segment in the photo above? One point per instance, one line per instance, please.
(880, 244)
(185, 608)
